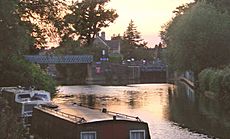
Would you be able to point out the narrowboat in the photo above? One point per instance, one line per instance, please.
(74, 121)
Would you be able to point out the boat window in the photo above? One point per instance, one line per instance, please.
(137, 134)
(23, 96)
(88, 135)
(39, 97)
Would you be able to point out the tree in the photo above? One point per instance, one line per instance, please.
(198, 39)
(15, 41)
(132, 36)
(87, 18)
(221, 5)
(180, 10)
(42, 16)
(14, 37)
(75, 73)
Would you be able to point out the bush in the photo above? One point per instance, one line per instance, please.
(226, 80)
(115, 58)
(204, 79)
(16, 71)
(215, 80)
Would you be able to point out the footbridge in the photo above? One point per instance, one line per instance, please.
(54, 59)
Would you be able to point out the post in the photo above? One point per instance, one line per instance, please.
(89, 77)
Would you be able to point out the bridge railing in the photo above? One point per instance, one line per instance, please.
(52, 59)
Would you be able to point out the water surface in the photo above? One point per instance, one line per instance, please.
(169, 114)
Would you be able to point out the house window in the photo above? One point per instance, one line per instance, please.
(88, 135)
(137, 134)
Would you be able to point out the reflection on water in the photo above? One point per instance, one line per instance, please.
(170, 115)
(199, 113)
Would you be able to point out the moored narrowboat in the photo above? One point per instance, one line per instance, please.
(72, 121)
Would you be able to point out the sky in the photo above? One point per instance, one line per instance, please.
(148, 16)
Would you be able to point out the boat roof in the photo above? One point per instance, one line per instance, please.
(22, 95)
(17, 90)
(78, 113)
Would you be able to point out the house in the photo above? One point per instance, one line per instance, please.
(113, 46)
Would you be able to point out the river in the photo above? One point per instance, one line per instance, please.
(170, 115)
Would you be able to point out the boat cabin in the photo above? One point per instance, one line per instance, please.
(23, 101)
(72, 121)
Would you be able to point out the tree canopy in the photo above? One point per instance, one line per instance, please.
(14, 37)
(132, 36)
(42, 15)
(198, 38)
(15, 41)
(87, 18)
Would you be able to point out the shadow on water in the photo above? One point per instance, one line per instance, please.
(198, 113)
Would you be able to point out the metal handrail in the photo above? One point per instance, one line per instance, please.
(124, 115)
(112, 113)
(66, 115)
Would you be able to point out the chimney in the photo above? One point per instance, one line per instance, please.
(103, 35)
(97, 34)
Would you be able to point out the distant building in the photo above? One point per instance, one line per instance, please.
(112, 46)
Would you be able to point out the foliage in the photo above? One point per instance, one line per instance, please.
(221, 5)
(215, 80)
(218, 82)
(226, 80)
(204, 79)
(15, 41)
(115, 58)
(14, 35)
(16, 72)
(198, 38)
(74, 48)
(138, 53)
(86, 19)
(75, 74)
(10, 126)
(42, 16)
(180, 10)
(132, 36)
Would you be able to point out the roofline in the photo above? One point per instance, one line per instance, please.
(103, 41)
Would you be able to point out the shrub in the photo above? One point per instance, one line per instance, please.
(204, 79)
(226, 81)
(17, 71)
(115, 58)
(215, 81)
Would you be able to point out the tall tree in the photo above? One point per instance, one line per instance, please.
(87, 18)
(198, 38)
(15, 40)
(131, 35)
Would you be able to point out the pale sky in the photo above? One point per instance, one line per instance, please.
(148, 16)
